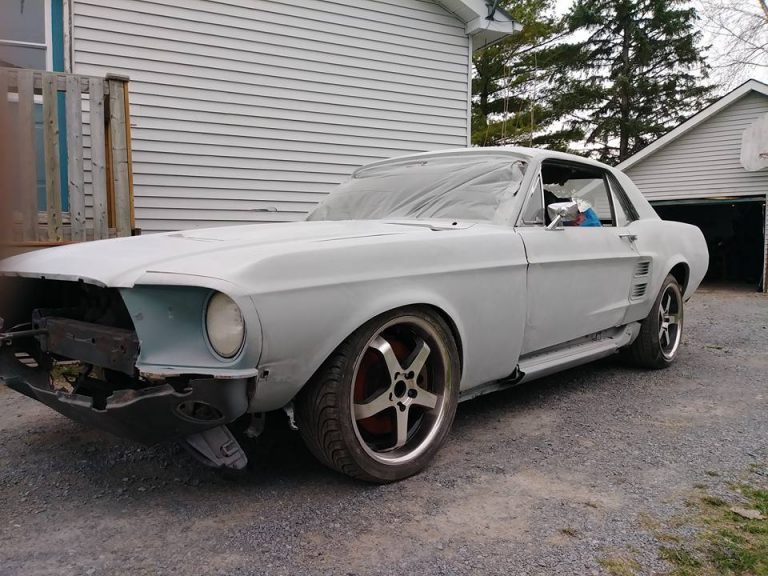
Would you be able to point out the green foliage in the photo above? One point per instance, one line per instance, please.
(507, 107)
(638, 72)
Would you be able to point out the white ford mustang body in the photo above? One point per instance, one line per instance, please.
(422, 281)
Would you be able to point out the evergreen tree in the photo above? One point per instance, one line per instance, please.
(506, 106)
(638, 73)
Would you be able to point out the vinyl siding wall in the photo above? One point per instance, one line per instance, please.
(705, 162)
(253, 110)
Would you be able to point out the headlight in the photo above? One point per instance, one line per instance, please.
(225, 326)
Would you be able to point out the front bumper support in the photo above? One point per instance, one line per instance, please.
(148, 415)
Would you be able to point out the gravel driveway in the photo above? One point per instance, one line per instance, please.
(553, 477)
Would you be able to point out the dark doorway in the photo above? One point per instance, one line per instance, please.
(734, 233)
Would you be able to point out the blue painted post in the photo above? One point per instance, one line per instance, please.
(57, 37)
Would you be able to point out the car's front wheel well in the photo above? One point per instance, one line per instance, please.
(444, 316)
(429, 308)
(681, 272)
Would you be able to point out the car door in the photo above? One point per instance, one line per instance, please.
(579, 277)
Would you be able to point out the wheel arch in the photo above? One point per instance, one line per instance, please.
(682, 273)
(436, 309)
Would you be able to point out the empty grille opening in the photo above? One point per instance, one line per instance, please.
(23, 297)
(84, 326)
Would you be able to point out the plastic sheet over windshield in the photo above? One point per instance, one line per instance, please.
(466, 187)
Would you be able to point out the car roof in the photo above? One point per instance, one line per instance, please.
(515, 151)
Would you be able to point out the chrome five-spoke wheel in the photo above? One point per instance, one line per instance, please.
(395, 387)
(399, 390)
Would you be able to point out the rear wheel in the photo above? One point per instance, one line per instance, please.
(382, 404)
(661, 332)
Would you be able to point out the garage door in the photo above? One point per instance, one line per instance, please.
(734, 229)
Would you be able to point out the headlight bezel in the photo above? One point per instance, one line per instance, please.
(207, 330)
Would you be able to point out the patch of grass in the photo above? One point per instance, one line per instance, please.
(758, 497)
(713, 501)
(663, 537)
(679, 521)
(620, 566)
(729, 544)
(680, 557)
(732, 553)
(647, 521)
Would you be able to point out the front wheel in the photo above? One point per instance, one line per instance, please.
(381, 406)
(661, 332)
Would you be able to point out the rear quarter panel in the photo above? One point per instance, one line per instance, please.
(668, 244)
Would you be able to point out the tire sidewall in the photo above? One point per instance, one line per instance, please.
(653, 319)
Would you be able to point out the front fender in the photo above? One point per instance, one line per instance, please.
(479, 285)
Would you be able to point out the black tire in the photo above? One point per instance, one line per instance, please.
(332, 409)
(651, 349)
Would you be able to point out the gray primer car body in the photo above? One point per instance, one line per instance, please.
(304, 287)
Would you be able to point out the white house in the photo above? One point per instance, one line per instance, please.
(252, 110)
(694, 174)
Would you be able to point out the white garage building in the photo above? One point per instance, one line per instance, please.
(694, 174)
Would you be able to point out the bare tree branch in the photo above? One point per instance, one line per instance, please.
(740, 34)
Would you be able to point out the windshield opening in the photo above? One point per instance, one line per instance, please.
(459, 187)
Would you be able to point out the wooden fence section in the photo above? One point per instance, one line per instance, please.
(96, 148)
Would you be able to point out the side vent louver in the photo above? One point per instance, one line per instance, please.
(642, 269)
(638, 291)
(640, 280)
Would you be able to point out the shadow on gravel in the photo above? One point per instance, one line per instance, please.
(92, 459)
(589, 377)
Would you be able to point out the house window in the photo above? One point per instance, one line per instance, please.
(24, 37)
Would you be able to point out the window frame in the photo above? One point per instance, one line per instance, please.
(47, 45)
(624, 200)
(606, 177)
(537, 181)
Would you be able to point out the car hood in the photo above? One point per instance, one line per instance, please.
(214, 252)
